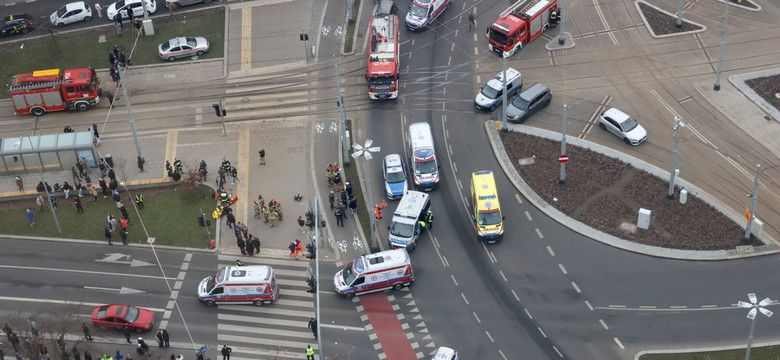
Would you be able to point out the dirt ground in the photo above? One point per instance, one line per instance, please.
(607, 194)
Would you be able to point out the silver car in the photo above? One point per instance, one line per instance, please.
(183, 47)
(623, 126)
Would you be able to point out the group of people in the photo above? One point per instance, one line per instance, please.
(333, 173)
(296, 249)
(272, 213)
(346, 200)
(226, 169)
(117, 59)
(174, 171)
(555, 16)
(246, 242)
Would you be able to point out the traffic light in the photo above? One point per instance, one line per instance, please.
(312, 251)
(203, 221)
(304, 37)
(312, 285)
(216, 110)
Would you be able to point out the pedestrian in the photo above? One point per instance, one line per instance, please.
(279, 212)
(118, 25)
(99, 11)
(170, 10)
(353, 204)
(104, 186)
(472, 23)
(111, 61)
(309, 353)
(256, 244)
(231, 220)
(88, 179)
(31, 215)
(166, 338)
(66, 188)
(126, 332)
(299, 248)
(313, 327)
(111, 173)
(348, 187)
(77, 202)
(221, 173)
(272, 217)
(75, 353)
(178, 166)
(226, 352)
(142, 348)
(85, 329)
(80, 189)
(239, 262)
(113, 185)
(20, 183)
(234, 174)
(119, 355)
(250, 249)
(261, 152)
(123, 223)
(15, 342)
(112, 222)
(291, 247)
(139, 201)
(115, 50)
(33, 326)
(87, 355)
(377, 212)
(429, 219)
(94, 193)
(339, 217)
(108, 234)
(138, 23)
(331, 198)
(241, 243)
(53, 202)
(343, 207)
(8, 331)
(125, 214)
(344, 197)
(159, 338)
(123, 235)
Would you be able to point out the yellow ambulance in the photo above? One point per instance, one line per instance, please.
(487, 209)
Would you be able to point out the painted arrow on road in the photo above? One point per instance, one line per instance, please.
(115, 258)
(123, 290)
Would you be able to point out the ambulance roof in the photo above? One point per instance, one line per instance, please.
(420, 135)
(411, 204)
(485, 190)
(234, 275)
(383, 259)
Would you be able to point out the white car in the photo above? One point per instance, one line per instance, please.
(623, 126)
(445, 353)
(135, 5)
(71, 13)
(183, 47)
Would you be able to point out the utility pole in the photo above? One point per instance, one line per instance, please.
(130, 113)
(317, 272)
(344, 144)
(561, 14)
(678, 124)
(562, 179)
(752, 207)
(722, 47)
(504, 127)
(679, 13)
(45, 187)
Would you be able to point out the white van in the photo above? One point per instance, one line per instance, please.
(425, 169)
(404, 228)
(374, 272)
(423, 12)
(491, 94)
(239, 284)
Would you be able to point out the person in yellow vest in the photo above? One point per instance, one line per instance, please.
(309, 353)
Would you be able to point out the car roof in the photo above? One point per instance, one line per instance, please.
(17, 17)
(497, 81)
(393, 160)
(76, 5)
(616, 115)
(533, 90)
(444, 353)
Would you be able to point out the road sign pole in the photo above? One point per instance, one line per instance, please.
(677, 125)
(562, 179)
(752, 208)
(504, 126)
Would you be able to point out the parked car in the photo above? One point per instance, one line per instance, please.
(183, 47)
(135, 5)
(179, 3)
(116, 316)
(71, 13)
(623, 126)
(490, 95)
(17, 24)
(395, 176)
(445, 353)
(529, 102)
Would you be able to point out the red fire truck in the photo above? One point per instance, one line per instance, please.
(55, 90)
(520, 24)
(383, 56)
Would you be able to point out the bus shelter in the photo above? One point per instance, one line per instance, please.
(51, 151)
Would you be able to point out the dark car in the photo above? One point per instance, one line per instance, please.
(17, 24)
(529, 102)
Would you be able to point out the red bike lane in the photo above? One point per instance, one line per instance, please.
(386, 326)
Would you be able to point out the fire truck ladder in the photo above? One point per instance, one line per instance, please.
(39, 85)
(520, 8)
(383, 39)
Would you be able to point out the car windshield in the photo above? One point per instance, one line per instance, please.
(209, 284)
(347, 274)
(132, 314)
(629, 124)
(418, 11)
(192, 42)
(401, 230)
(166, 45)
(520, 103)
(62, 11)
(381, 80)
(490, 92)
(489, 217)
(395, 177)
(425, 167)
(102, 311)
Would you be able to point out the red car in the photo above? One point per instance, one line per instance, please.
(117, 316)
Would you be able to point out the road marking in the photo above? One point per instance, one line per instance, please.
(576, 288)
(604, 21)
(563, 269)
(464, 298)
(528, 313)
(490, 337)
(246, 38)
(550, 250)
(665, 104)
(678, 307)
(539, 233)
(541, 332)
(556, 350)
(593, 118)
(123, 290)
(604, 324)
(476, 317)
(502, 274)
(646, 307)
(113, 258)
(502, 354)
(515, 294)
(81, 271)
(589, 305)
(334, 326)
(518, 198)
(453, 279)
(438, 253)
(618, 343)
(528, 215)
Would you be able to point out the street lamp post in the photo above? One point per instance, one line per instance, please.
(365, 151)
(45, 187)
(754, 309)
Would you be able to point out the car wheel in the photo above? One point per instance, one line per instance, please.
(88, 19)
(37, 111)
(210, 303)
(602, 126)
(82, 106)
(349, 296)
(628, 142)
(199, 53)
(397, 287)
(171, 58)
(258, 303)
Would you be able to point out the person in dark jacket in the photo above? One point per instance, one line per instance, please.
(108, 234)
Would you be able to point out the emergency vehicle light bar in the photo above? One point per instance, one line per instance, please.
(482, 172)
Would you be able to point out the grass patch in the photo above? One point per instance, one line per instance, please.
(171, 218)
(351, 173)
(756, 353)
(77, 49)
(349, 39)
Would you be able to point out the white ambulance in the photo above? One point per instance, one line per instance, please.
(404, 227)
(374, 272)
(239, 284)
(425, 168)
(423, 12)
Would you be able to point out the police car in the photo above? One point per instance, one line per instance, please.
(395, 176)
(490, 95)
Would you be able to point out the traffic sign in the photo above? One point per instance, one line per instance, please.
(563, 158)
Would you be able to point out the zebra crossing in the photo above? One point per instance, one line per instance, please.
(275, 331)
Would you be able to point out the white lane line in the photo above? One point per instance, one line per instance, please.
(83, 272)
(528, 215)
(453, 279)
(556, 350)
(489, 337)
(563, 269)
(518, 198)
(476, 317)
(502, 354)
(550, 250)
(679, 307)
(619, 344)
(541, 332)
(709, 306)
(617, 306)
(529, 314)
(539, 233)
(604, 22)
(647, 307)
(604, 324)
(515, 294)
(589, 305)
(502, 274)
(464, 298)
(576, 288)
